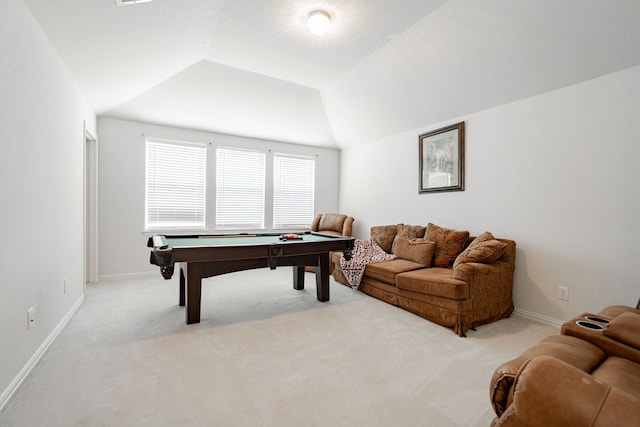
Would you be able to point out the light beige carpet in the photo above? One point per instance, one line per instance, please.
(263, 355)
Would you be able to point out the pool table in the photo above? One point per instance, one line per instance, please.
(204, 256)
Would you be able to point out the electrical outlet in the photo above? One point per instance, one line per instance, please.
(563, 293)
(30, 317)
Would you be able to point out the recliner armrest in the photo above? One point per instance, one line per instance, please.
(316, 222)
(347, 227)
(549, 392)
(572, 350)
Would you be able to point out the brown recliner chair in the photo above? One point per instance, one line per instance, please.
(333, 224)
(592, 380)
(616, 310)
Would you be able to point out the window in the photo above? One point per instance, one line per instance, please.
(175, 188)
(240, 188)
(293, 191)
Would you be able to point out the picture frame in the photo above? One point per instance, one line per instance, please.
(442, 159)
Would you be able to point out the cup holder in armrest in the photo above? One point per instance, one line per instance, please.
(589, 325)
(597, 319)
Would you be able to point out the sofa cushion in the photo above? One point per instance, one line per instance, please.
(486, 251)
(433, 281)
(449, 244)
(386, 271)
(383, 236)
(416, 250)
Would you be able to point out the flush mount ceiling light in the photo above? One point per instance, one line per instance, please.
(128, 2)
(319, 22)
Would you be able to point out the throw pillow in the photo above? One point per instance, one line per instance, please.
(383, 236)
(482, 238)
(449, 244)
(486, 252)
(409, 232)
(416, 250)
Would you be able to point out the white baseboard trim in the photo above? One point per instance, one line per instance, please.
(8, 393)
(538, 317)
(106, 277)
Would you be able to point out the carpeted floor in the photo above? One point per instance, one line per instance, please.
(263, 355)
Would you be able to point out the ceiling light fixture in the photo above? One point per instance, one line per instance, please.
(128, 2)
(319, 22)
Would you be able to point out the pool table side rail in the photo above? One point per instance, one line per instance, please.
(167, 255)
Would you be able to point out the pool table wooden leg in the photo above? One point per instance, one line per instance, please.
(182, 288)
(298, 277)
(322, 277)
(194, 291)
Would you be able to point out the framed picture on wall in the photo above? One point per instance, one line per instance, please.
(442, 159)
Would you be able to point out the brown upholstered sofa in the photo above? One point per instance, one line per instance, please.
(566, 380)
(459, 295)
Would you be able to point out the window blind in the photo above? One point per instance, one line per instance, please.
(293, 188)
(240, 188)
(176, 181)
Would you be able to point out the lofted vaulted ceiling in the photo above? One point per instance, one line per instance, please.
(251, 68)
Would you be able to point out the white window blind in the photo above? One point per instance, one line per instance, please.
(293, 191)
(240, 188)
(175, 188)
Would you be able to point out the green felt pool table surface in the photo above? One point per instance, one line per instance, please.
(240, 239)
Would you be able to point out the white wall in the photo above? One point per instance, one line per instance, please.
(122, 240)
(558, 173)
(41, 191)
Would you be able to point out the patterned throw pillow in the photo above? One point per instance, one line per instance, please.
(482, 238)
(484, 251)
(383, 236)
(411, 231)
(416, 250)
(450, 244)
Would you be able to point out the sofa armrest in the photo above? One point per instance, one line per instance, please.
(490, 288)
(471, 269)
(550, 392)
